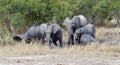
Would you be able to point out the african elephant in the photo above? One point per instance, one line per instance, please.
(34, 32)
(54, 34)
(86, 38)
(88, 29)
(75, 23)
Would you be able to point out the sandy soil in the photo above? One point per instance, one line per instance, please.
(58, 60)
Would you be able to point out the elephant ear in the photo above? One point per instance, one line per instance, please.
(66, 21)
(73, 20)
(17, 38)
(83, 20)
(55, 28)
(77, 21)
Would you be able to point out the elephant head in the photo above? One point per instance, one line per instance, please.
(53, 33)
(89, 29)
(48, 33)
(83, 20)
(77, 35)
(55, 28)
(51, 29)
(78, 22)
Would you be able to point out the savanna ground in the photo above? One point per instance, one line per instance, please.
(105, 53)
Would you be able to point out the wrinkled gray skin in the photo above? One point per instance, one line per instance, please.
(88, 29)
(76, 22)
(67, 23)
(54, 34)
(86, 38)
(35, 32)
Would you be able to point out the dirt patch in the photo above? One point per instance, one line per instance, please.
(59, 60)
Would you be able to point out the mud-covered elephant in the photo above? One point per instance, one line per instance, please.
(54, 34)
(88, 29)
(86, 38)
(75, 23)
(34, 32)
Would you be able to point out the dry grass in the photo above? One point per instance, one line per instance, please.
(94, 50)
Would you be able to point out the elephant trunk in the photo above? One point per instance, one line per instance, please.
(48, 39)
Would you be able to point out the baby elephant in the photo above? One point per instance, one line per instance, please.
(54, 34)
(88, 29)
(85, 38)
(35, 32)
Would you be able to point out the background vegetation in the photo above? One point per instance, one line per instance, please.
(19, 15)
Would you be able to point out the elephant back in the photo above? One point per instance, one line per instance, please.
(43, 27)
(85, 38)
(90, 29)
(32, 32)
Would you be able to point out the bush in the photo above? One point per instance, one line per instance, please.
(21, 13)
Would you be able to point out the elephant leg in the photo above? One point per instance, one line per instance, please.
(69, 36)
(33, 40)
(43, 40)
(61, 42)
(70, 40)
(28, 41)
(55, 43)
(78, 40)
(49, 43)
(75, 39)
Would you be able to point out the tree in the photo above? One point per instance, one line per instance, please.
(23, 13)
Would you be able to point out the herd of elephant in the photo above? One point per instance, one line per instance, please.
(79, 31)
